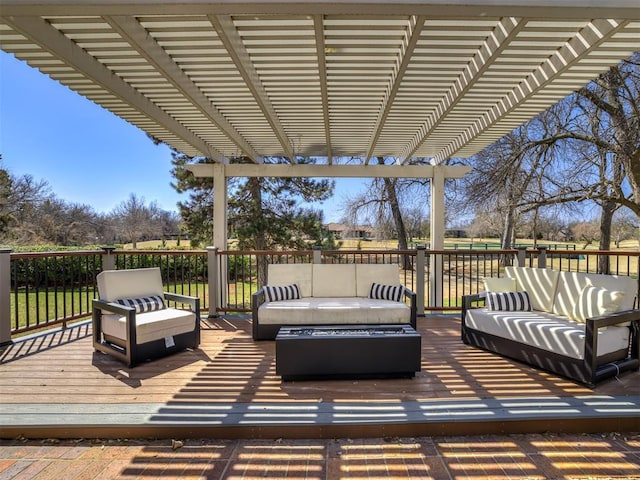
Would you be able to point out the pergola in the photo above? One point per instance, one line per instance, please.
(343, 81)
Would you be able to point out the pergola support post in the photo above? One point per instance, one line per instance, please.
(218, 276)
(5, 296)
(214, 291)
(436, 236)
(420, 278)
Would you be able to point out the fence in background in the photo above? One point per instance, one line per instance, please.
(41, 290)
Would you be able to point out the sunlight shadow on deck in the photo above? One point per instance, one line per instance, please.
(39, 342)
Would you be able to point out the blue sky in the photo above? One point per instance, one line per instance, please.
(85, 153)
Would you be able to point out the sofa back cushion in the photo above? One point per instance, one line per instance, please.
(133, 283)
(571, 284)
(539, 283)
(332, 280)
(291, 273)
(367, 275)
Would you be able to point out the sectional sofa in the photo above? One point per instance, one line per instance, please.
(579, 325)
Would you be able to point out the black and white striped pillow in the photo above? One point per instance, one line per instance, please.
(143, 304)
(386, 292)
(274, 293)
(509, 301)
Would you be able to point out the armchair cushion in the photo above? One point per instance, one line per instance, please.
(151, 326)
(143, 304)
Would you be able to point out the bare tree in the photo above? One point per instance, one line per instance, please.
(137, 220)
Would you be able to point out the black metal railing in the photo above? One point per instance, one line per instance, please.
(47, 289)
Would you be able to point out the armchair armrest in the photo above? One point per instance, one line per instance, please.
(630, 317)
(129, 313)
(468, 302)
(257, 299)
(411, 295)
(113, 307)
(193, 302)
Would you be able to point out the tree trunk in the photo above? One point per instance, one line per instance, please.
(390, 189)
(507, 236)
(606, 217)
(255, 187)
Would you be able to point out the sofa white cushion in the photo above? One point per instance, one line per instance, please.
(499, 284)
(594, 302)
(288, 273)
(333, 280)
(151, 326)
(539, 283)
(336, 310)
(367, 274)
(570, 284)
(546, 331)
(140, 282)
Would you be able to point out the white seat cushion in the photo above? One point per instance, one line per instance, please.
(151, 325)
(546, 331)
(337, 310)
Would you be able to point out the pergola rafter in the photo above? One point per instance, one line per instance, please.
(237, 51)
(342, 81)
(131, 30)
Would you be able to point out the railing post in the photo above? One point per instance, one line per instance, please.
(213, 281)
(108, 258)
(317, 254)
(420, 278)
(5, 296)
(542, 257)
(522, 256)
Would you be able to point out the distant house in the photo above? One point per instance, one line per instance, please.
(344, 231)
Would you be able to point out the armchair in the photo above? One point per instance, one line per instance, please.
(132, 321)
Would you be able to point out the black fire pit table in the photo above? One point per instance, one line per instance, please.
(341, 351)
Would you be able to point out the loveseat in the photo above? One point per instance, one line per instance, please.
(579, 325)
(331, 294)
(132, 319)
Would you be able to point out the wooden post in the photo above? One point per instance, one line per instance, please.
(212, 280)
(108, 258)
(317, 254)
(436, 236)
(522, 256)
(542, 257)
(5, 296)
(420, 279)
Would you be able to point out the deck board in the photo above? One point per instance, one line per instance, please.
(57, 380)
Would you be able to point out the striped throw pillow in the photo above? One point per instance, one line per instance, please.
(386, 292)
(509, 301)
(273, 293)
(143, 304)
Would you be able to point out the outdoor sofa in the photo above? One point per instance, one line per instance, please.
(132, 319)
(331, 294)
(579, 325)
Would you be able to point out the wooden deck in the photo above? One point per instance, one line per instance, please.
(55, 385)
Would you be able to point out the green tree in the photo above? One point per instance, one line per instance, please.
(264, 213)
